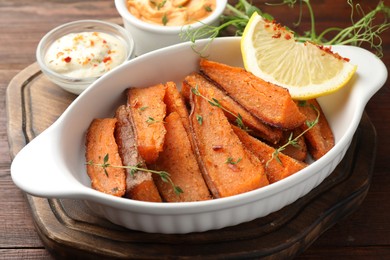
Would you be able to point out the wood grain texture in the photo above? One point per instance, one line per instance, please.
(365, 234)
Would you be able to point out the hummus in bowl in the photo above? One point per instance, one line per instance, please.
(158, 24)
(171, 12)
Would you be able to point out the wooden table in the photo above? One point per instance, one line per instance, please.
(362, 235)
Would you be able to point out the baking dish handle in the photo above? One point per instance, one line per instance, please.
(35, 169)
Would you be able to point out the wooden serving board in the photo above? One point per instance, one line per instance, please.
(69, 229)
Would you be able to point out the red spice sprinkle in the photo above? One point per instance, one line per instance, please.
(233, 167)
(107, 59)
(67, 59)
(329, 50)
(217, 147)
(287, 36)
(277, 35)
(136, 103)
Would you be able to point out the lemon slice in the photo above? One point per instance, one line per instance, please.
(307, 70)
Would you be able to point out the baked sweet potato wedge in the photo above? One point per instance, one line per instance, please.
(270, 103)
(257, 127)
(275, 169)
(175, 103)
(227, 167)
(178, 159)
(139, 184)
(100, 141)
(148, 111)
(297, 151)
(319, 139)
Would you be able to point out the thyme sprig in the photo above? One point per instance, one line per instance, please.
(362, 30)
(294, 141)
(215, 102)
(165, 176)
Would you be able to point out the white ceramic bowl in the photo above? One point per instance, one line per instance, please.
(149, 37)
(78, 85)
(53, 164)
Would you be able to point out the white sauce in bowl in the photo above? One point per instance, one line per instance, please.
(85, 54)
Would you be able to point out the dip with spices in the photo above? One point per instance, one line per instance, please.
(85, 54)
(171, 12)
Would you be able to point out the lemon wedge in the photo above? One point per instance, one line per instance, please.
(307, 70)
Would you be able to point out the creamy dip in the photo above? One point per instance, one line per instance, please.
(85, 54)
(171, 12)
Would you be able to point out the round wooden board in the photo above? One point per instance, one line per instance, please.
(69, 229)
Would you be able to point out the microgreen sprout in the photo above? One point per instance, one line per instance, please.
(165, 176)
(361, 30)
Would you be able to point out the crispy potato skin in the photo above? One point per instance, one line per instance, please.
(320, 138)
(258, 128)
(179, 160)
(139, 184)
(298, 151)
(148, 111)
(270, 103)
(100, 141)
(274, 169)
(216, 144)
(175, 103)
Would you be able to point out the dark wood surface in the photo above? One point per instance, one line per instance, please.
(364, 234)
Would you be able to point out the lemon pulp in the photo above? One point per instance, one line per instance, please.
(307, 70)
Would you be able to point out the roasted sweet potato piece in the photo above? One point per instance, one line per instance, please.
(175, 103)
(178, 159)
(320, 138)
(148, 112)
(100, 141)
(139, 184)
(227, 167)
(257, 127)
(297, 151)
(275, 170)
(270, 103)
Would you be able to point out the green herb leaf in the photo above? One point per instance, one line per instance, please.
(150, 120)
(208, 8)
(199, 118)
(164, 19)
(230, 160)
